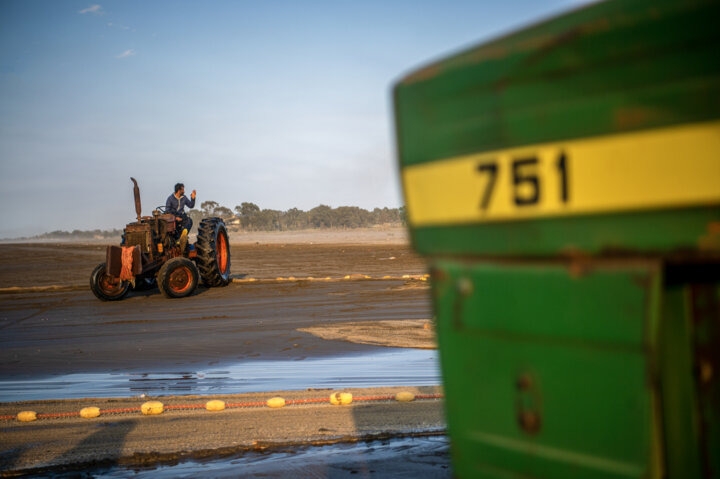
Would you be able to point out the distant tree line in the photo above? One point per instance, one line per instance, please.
(250, 217)
(77, 234)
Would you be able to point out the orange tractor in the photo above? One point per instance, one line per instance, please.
(153, 252)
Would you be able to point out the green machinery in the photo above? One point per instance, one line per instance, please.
(564, 184)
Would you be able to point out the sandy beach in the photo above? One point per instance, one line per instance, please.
(292, 298)
(52, 324)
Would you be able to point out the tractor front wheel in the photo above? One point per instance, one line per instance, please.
(106, 287)
(178, 278)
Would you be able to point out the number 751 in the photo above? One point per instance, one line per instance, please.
(523, 174)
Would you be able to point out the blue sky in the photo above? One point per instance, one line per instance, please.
(281, 103)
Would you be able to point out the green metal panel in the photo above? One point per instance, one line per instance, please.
(705, 314)
(690, 361)
(678, 390)
(584, 345)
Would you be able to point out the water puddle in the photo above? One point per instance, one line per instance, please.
(400, 457)
(395, 367)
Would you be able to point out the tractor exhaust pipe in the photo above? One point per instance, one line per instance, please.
(136, 193)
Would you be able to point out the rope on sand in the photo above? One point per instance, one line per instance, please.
(352, 277)
(151, 408)
(279, 279)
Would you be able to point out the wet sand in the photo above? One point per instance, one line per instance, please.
(70, 331)
(388, 367)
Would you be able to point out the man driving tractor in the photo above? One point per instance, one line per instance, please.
(155, 250)
(175, 205)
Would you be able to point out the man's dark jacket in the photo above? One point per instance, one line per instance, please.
(175, 206)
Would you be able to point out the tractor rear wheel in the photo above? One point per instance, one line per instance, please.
(177, 278)
(106, 287)
(213, 252)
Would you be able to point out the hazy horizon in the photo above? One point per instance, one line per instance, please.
(338, 215)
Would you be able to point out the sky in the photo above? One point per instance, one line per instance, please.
(280, 103)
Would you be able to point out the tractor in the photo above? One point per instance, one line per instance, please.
(154, 252)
